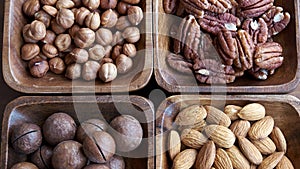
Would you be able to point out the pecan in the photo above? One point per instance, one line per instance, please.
(214, 23)
(258, 30)
(179, 63)
(206, 48)
(268, 55)
(227, 46)
(213, 72)
(170, 6)
(216, 6)
(254, 8)
(276, 20)
(180, 10)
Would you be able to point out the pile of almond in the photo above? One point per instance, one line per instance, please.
(238, 137)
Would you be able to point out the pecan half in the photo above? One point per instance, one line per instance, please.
(254, 8)
(193, 8)
(170, 6)
(268, 55)
(227, 46)
(179, 63)
(214, 23)
(206, 48)
(213, 72)
(257, 29)
(216, 6)
(276, 20)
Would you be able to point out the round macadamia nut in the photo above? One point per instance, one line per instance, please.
(24, 165)
(87, 128)
(42, 157)
(116, 162)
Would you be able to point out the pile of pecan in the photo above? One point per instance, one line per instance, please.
(224, 39)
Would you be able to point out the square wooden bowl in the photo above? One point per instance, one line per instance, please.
(37, 109)
(284, 109)
(285, 79)
(18, 78)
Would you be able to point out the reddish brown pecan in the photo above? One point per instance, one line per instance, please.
(179, 63)
(206, 48)
(193, 8)
(268, 55)
(254, 8)
(257, 29)
(170, 6)
(227, 46)
(216, 6)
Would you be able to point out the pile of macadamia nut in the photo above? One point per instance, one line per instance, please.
(81, 38)
(60, 144)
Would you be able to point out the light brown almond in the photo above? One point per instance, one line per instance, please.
(193, 138)
(271, 161)
(266, 146)
(262, 128)
(206, 156)
(174, 144)
(231, 111)
(279, 139)
(285, 163)
(250, 151)
(216, 116)
(239, 161)
(253, 166)
(221, 135)
(252, 112)
(240, 127)
(190, 116)
(222, 160)
(185, 159)
(199, 126)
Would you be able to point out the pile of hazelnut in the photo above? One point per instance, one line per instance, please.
(59, 144)
(81, 38)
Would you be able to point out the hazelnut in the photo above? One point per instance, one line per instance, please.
(30, 7)
(49, 38)
(56, 27)
(42, 157)
(123, 63)
(73, 71)
(91, 4)
(26, 138)
(26, 36)
(65, 18)
(128, 132)
(135, 15)
(59, 127)
(96, 166)
(49, 51)
(104, 36)
(50, 10)
(68, 154)
(84, 38)
(97, 52)
(106, 60)
(92, 21)
(81, 14)
(35, 31)
(48, 2)
(24, 165)
(117, 50)
(131, 34)
(64, 4)
(108, 50)
(108, 72)
(108, 4)
(43, 17)
(129, 49)
(77, 3)
(77, 55)
(109, 18)
(117, 38)
(123, 23)
(73, 30)
(132, 1)
(90, 70)
(29, 51)
(122, 7)
(87, 128)
(63, 42)
(38, 67)
(57, 65)
(99, 147)
(116, 162)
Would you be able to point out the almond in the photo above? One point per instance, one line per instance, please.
(266, 146)
(190, 115)
(253, 166)
(216, 116)
(231, 111)
(237, 158)
(193, 138)
(285, 163)
(262, 128)
(174, 144)
(206, 156)
(222, 160)
(279, 139)
(271, 161)
(240, 127)
(185, 159)
(250, 151)
(199, 126)
(221, 135)
(252, 112)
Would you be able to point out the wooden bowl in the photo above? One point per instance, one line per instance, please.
(284, 109)
(18, 78)
(285, 79)
(37, 109)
